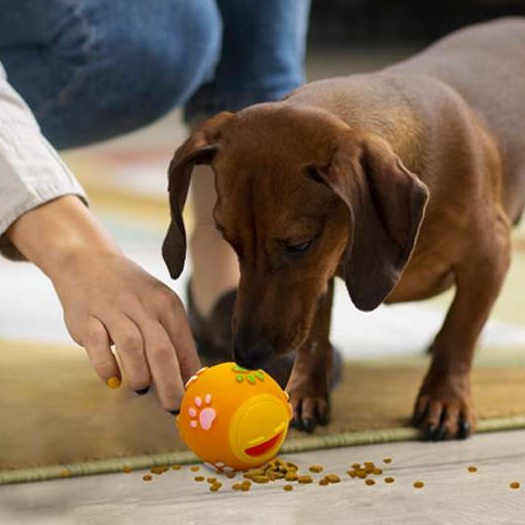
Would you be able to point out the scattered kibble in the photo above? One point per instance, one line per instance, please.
(230, 475)
(159, 470)
(147, 477)
(199, 478)
(214, 487)
(389, 479)
(377, 471)
(246, 485)
(472, 469)
(324, 482)
(305, 479)
(195, 468)
(418, 484)
(127, 469)
(260, 479)
(66, 473)
(332, 478)
(211, 480)
(288, 488)
(352, 473)
(316, 468)
(387, 460)
(370, 482)
(514, 485)
(176, 467)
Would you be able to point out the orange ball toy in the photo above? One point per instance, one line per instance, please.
(233, 418)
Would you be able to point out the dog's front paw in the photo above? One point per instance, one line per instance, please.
(310, 408)
(443, 409)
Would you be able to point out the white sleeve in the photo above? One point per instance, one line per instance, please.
(31, 171)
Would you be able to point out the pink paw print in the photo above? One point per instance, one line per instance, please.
(202, 413)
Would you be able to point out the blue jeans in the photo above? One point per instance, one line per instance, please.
(93, 69)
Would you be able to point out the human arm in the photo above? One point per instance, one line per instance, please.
(106, 297)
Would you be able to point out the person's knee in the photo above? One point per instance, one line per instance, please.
(158, 64)
(140, 64)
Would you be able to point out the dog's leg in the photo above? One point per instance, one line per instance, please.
(444, 408)
(308, 383)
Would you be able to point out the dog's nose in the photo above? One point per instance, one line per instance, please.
(252, 353)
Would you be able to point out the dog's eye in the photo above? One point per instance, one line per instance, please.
(299, 247)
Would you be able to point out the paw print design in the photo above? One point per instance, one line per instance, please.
(251, 376)
(202, 414)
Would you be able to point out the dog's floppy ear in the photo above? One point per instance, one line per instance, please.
(386, 204)
(199, 148)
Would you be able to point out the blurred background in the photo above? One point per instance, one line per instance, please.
(380, 23)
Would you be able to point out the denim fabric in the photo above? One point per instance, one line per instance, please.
(93, 69)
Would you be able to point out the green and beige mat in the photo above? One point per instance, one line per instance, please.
(58, 419)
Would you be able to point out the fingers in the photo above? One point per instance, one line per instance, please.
(98, 348)
(176, 324)
(129, 343)
(153, 342)
(164, 366)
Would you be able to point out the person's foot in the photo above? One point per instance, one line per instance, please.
(213, 338)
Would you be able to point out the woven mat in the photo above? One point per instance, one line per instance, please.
(56, 416)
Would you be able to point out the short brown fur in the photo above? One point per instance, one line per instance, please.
(403, 182)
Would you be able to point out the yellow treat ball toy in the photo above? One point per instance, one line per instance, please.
(233, 418)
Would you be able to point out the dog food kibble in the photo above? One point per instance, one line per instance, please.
(387, 460)
(361, 474)
(389, 479)
(159, 470)
(316, 469)
(66, 473)
(126, 469)
(246, 485)
(370, 482)
(418, 484)
(472, 469)
(514, 485)
(114, 382)
(377, 471)
(324, 482)
(195, 468)
(291, 476)
(356, 466)
(352, 473)
(211, 480)
(260, 479)
(237, 486)
(214, 487)
(176, 467)
(332, 478)
(199, 478)
(305, 479)
(288, 488)
(147, 477)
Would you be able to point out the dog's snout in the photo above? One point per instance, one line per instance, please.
(251, 349)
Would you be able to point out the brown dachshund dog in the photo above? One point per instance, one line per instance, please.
(404, 182)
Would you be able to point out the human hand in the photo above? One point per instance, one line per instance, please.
(109, 300)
